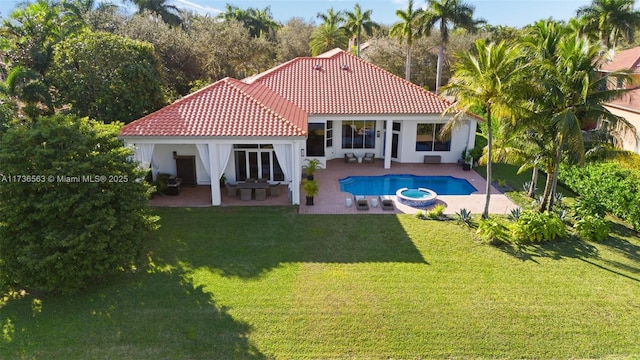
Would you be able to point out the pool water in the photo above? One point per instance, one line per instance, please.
(389, 184)
(415, 194)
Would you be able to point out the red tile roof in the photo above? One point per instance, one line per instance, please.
(626, 59)
(277, 102)
(227, 107)
(337, 82)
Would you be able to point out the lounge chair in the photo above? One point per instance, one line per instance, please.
(245, 194)
(232, 189)
(386, 203)
(274, 189)
(350, 158)
(361, 202)
(369, 157)
(261, 194)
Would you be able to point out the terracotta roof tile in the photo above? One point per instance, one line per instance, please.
(226, 108)
(337, 82)
(626, 59)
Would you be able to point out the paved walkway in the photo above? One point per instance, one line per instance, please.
(331, 200)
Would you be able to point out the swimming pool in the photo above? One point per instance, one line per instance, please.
(389, 184)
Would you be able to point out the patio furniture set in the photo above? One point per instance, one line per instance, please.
(253, 189)
(367, 158)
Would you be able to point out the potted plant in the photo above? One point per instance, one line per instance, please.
(223, 180)
(468, 160)
(311, 189)
(311, 167)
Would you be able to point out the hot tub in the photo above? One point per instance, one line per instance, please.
(418, 198)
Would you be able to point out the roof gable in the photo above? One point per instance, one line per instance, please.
(337, 82)
(225, 108)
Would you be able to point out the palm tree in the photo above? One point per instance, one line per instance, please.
(168, 13)
(611, 20)
(488, 79)
(326, 37)
(358, 22)
(448, 12)
(575, 93)
(258, 22)
(331, 17)
(407, 29)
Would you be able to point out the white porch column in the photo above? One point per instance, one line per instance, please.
(389, 144)
(216, 199)
(296, 175)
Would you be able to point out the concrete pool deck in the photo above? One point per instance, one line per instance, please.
(331, 200)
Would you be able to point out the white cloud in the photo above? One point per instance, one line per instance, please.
(197, 8)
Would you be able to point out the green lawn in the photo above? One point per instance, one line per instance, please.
(258, 283)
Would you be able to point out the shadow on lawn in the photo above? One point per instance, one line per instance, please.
(149, 316)
(585, 251)
(248, 242)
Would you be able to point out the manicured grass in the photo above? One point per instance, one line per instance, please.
(256, 283)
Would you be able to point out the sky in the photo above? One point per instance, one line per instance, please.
(515, 13)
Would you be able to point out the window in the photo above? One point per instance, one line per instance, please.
(359, 134)
(427, 138)
(329, 134)
(315, 140)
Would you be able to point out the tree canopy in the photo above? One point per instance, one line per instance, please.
(75, 212)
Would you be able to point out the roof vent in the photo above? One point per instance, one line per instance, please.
(317, 67)
(345, 66)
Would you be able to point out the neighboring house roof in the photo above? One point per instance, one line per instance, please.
(337, 82)
(227, 107)
(626, 59)
(630, 101)
(277, 102)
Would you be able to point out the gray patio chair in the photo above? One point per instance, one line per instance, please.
(386, 203)
(232, 189)
(261, 194)
(274, 189)
(245, 194)
(369, 157)
(350, 158)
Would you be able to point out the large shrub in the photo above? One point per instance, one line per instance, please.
(609, 184)
(71, 209)
(534, 226)
(592, 228)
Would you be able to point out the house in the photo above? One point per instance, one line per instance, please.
(319, 107)
(626, 133)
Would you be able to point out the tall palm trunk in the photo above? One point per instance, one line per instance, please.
(547, 190)
(534, 181)
(485, 213)
(407, 68)
(439, 69)
(554, 181)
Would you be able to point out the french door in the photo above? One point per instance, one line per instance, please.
(256, 164)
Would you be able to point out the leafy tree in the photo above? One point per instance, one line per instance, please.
(108, 77)
(448, 13)
(488, 79)
(32, 31)
(60, 234)
(610, 20)
(28, 92)
(293, 40)
(175, 47)
(407, 29)
(357, 23)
